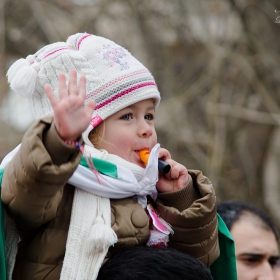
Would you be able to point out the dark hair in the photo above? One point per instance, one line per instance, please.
(232, 210)
(144, 263)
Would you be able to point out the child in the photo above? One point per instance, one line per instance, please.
(76, 205)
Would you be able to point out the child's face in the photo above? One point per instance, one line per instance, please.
(131, 130)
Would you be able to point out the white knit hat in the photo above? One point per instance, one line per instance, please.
(115, 79)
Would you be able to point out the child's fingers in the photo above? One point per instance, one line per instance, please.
(175, 171)
(51, 95)
(72, 86)
(62, 88)
(90, 108)
(82, 86)
(164, 154)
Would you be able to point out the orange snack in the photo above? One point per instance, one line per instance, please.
(144, 155)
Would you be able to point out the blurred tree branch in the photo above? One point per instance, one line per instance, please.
(216, 64)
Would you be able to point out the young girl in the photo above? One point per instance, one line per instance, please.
(76, 186)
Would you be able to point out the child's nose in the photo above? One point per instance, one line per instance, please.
(144, 129)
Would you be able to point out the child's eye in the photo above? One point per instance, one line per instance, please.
(149, 117)
(126, 117)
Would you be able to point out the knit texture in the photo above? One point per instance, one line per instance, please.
(115, 79)
(79, 262)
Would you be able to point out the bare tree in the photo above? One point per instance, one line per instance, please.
(217, 67)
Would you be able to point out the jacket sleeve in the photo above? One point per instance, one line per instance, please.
(192, 213)
(34, 180)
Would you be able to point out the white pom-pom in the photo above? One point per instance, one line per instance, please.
(98, 220)
(30, 58)
(22, 78)
(72, 40)
(15, 67)
(36, 66)
(101, 236)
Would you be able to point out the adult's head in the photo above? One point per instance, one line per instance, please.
(255, 236)
(143, 263)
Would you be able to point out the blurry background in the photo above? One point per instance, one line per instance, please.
(217, 66)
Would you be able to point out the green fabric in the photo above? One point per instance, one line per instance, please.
(104, 167)
(2, 237)
(225, 266)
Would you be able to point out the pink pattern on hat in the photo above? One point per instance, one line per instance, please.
(57, 50)
(115, 81)
(81, 39)
(95, 121)
(127, 91)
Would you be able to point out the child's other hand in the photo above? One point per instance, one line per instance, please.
(176, 179)
(71, 118)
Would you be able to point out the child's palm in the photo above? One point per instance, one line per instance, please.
(71, 118)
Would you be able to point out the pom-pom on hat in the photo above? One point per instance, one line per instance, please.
(114, 78)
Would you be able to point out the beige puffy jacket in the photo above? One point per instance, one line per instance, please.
(36, 194)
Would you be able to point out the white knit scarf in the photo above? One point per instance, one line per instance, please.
(90, 234)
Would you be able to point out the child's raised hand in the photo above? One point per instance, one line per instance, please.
(71, 118)
(176, 179)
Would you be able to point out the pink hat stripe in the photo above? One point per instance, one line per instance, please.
(57, 50)
(124, 93)
(92, 94)
(81, 39)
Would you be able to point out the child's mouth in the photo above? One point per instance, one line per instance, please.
(144, 155)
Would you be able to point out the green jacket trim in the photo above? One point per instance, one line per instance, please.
(225, 266)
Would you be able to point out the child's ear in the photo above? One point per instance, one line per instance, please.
(96, 134)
